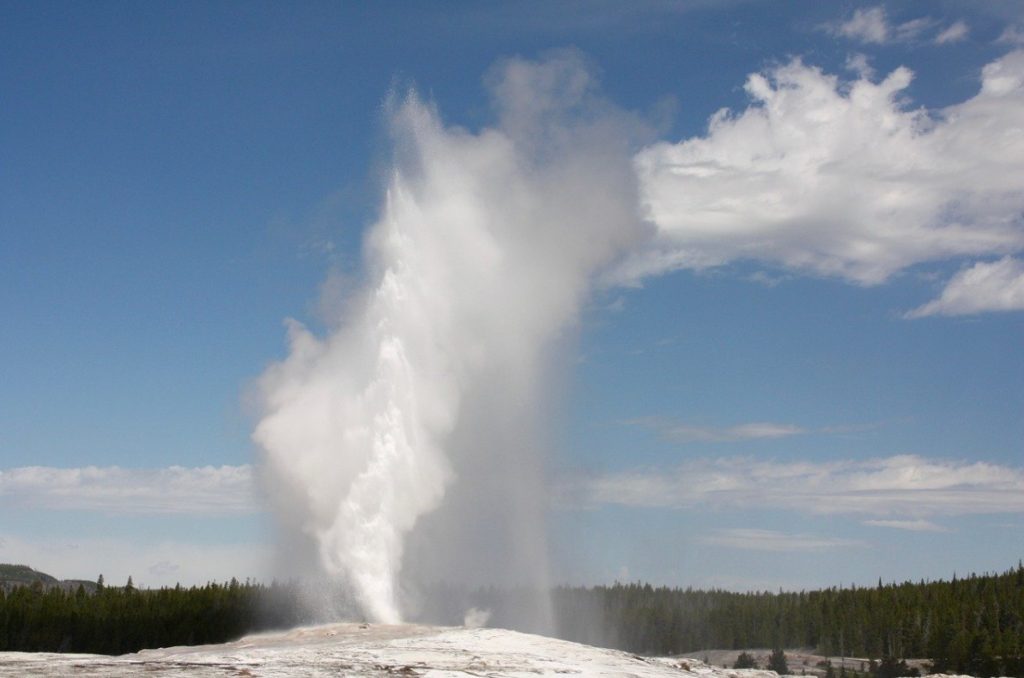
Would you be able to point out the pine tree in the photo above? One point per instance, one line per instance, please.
(777, 662)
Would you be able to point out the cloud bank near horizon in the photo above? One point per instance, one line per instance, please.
(749, 539)
(682, 432)
(205, 490)
(897, 492)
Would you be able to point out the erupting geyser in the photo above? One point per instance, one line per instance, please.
(485, 248)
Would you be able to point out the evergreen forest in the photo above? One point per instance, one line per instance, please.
(972, 625)
(116, 620)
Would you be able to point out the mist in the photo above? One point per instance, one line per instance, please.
(407, 446)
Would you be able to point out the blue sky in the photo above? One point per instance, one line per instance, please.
(799, 336)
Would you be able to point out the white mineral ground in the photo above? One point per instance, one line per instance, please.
(377, 650)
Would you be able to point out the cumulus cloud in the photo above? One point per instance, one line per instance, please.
(687, 433)
(210, 490)
(840, 179)
(769, 540)
(905, 487)
(956, 32)
(981, 288)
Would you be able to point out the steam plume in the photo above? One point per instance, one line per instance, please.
(483, 252)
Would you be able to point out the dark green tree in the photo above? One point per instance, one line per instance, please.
(891, 667)
(777, 662)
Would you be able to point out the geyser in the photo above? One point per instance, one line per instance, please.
(484, 250)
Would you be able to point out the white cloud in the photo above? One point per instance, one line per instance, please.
(1003, 80)
(910, 30)
(860, 64)
(871, 25)
(984, 287)
(768, 540)
(149, 564)
(1012, 35)
(956, 32)
(905, 487)
(866, 25)
(839, 179)
(112, 489)
(687, 433)
(767, 279)
(919, 525)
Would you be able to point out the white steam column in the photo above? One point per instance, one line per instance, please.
(484, 251)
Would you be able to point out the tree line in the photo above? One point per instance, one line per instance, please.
(116, 620)
(972, 625)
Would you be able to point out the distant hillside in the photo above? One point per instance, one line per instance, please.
(14, 576)
(23, 575)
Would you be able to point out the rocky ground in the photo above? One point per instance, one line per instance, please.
(800, 662)
(373, 650)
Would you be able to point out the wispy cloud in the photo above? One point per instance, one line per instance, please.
(617, 305)
(956, 32)
(860, 64)
(866, 25)
(688, 433)
(919, 525)
(1011, 35)
(683, 432)
(871, 25)
(768, 540)
(768, 279)
(981, 288)
(905, 487)
(210, 490)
